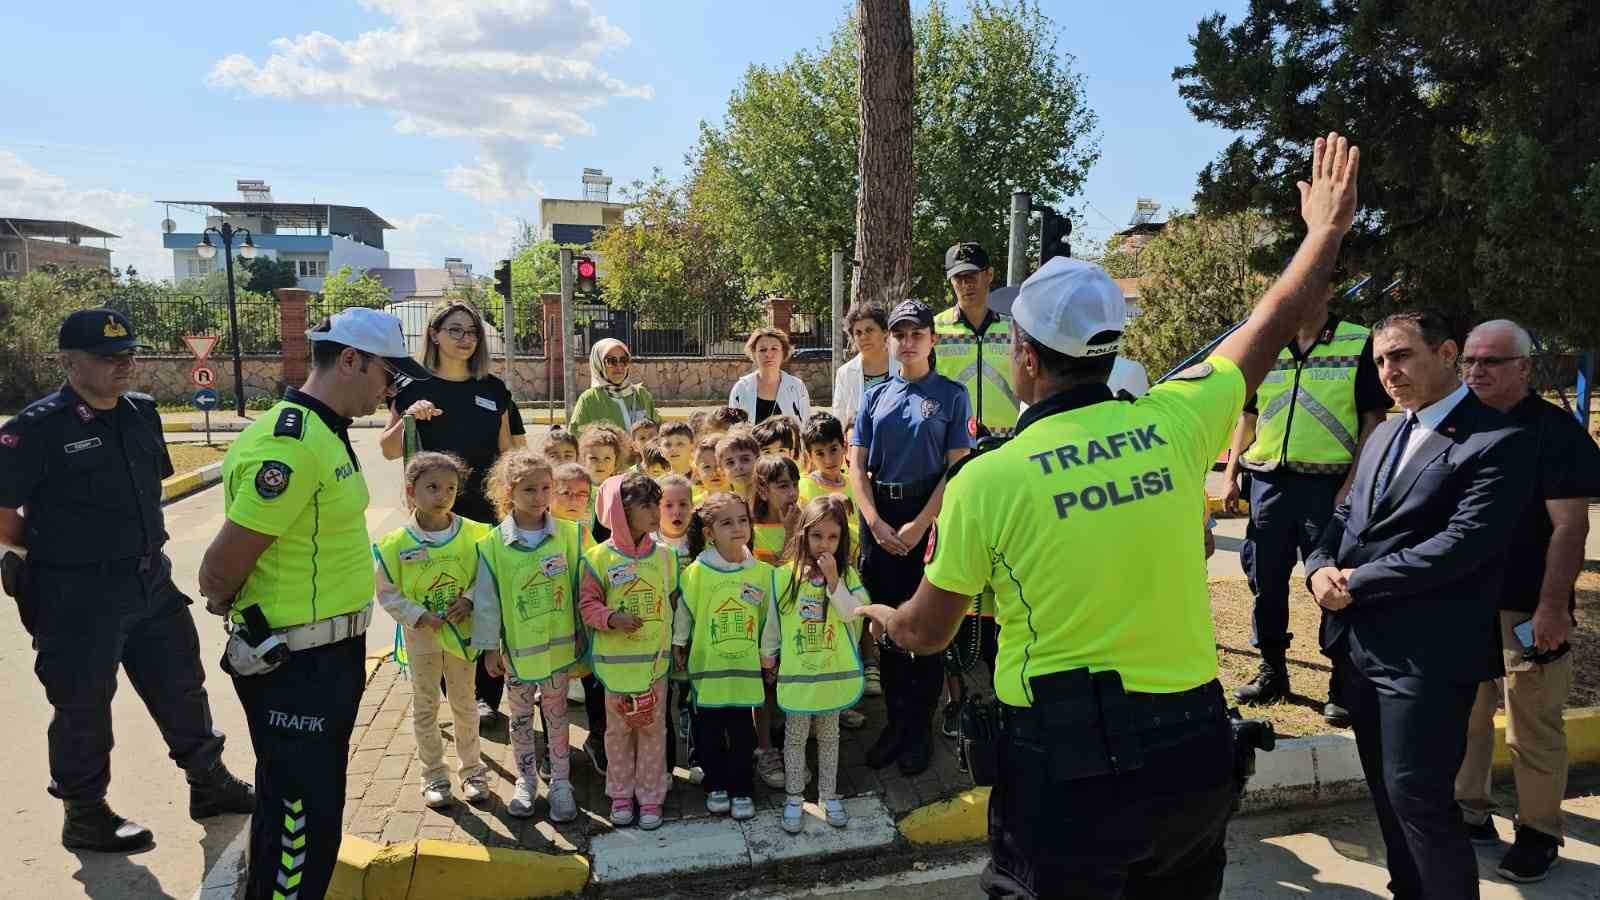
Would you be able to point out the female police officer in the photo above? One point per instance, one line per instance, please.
(1083, 524)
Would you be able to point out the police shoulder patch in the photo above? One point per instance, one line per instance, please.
(272, 479)
(291, 423)
(43, 407)
(1195, 372)
(933, 543)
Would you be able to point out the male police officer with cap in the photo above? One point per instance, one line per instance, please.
(291, 570)
(85, 466)
(1112, 760)
(974, 340)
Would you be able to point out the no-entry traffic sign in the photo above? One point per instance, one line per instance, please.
(203, 376)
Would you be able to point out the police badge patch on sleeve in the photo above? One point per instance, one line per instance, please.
(1195, 372)
(272, 479)
(933, 541)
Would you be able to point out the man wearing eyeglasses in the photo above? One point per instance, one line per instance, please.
(291, 570)
(1543, 559)
(80, 496)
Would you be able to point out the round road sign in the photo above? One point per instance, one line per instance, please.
(203, 376)
(205, 398)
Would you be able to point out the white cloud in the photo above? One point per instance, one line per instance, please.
(508, 74)
(29, 192)
(423, 240)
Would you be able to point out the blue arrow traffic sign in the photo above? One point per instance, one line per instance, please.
(205, 398)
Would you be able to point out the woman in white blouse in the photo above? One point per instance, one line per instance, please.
(769, 390)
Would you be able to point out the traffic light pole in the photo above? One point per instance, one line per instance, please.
(566, 335)
(1017, 251)
(838, 311)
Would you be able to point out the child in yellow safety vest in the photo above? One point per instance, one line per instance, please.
(776, 485)
(525, 616)
(425, 573)
(809, 649)
(627, 594)
(716, 637)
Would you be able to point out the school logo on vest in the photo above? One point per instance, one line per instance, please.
(441, 592)
(640, 599)
(813, 642)
(539, 596)
(732, 628)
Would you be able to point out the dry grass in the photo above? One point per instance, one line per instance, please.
(1301, 714)
(188, 457)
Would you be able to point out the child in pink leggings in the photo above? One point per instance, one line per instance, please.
(627, 594)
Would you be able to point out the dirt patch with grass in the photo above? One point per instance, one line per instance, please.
(188, 457)
(1301, 713)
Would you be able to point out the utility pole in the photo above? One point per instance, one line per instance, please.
(1017, 250)
(566, 335)
(838, 310)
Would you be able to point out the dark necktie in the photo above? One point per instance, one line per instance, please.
(1392, 461)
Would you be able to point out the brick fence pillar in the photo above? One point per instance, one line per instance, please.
(554, 343)
(292, 326)
(782, 313)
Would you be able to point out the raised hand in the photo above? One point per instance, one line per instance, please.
(1328, 201)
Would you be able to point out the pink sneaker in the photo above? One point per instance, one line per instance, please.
(621, 812)
(650, 816)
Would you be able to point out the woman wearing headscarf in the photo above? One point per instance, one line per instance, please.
(610, 398)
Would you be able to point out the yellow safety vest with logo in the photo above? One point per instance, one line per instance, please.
(644, 586)
(729, 609)
(819, 662)
(434, 575)
(538, 591)
(1121, 487)
(982, 365)
(1307, 419)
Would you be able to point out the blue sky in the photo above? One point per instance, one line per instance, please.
(451, 117)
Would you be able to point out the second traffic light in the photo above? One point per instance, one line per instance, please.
(1054, 230)
(502, 278)
(584, 272)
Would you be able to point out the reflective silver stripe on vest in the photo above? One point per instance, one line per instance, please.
(537, 649)
(989, 375)
(1327, 418)
(631, 658)
(1277, 405)
(724, 673)
(813, 679)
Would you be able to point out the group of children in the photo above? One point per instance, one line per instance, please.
(691, 558)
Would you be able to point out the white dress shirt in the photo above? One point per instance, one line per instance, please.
(1428, 420)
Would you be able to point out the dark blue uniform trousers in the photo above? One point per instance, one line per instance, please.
(1288, 511)
(86, 626)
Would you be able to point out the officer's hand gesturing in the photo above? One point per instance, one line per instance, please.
(1329, 200)
(888, 538)
(423, 410)
(877, 616)
(460, 610)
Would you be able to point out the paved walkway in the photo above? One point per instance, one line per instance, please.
(385, 799)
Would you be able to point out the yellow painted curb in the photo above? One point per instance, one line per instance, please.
(962, 819)
(175, 427)
(181, 485)
(1582, 726)
(441, 870)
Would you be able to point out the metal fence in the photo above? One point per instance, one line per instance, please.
(162, 321)
(709, 334)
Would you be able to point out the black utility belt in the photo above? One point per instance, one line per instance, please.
(131, 565)
(905, 490)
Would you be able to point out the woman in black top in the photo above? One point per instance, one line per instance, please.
(463, 410)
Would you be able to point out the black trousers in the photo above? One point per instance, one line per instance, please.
(725, 742)
(1156, 833)
(490, 688)
(1412, 735)
(911, 685)
(594, 704)
(1288, 511)
(300, 716)
(85, 627)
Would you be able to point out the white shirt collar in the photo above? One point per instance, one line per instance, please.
(434, 537)
(1434, 413)
(510, 533)
(712, 558)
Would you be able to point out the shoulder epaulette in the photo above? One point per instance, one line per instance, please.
(140, 397)
(291, 423)
(42, 408)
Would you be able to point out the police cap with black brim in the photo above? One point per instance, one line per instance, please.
(101, 331)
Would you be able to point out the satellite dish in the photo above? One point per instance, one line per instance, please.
(168, 226)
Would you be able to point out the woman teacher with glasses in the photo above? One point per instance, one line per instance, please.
(610, 398)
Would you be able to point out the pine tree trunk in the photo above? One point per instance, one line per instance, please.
(883, 204)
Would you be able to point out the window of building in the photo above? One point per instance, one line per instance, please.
(199, 268)
(11, 261)
(311, 268)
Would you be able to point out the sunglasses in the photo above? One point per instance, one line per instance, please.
(617, 360)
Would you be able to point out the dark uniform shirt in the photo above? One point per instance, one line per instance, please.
(908, 427)
(1569, 466)
(469, 426)
(88, 479)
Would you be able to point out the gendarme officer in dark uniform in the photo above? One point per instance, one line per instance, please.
(1109, 749)
(80, 494)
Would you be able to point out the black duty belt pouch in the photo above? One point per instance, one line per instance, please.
(1081, 725)
(16, 580)
(981, 733)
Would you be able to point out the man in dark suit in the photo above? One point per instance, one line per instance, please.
(1410, 567)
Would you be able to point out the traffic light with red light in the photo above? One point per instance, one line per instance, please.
(502, 278)
(585, 270)
(1054, 230)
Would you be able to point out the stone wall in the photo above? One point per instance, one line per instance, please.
(167, 377)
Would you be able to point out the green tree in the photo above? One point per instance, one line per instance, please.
(535, 271)
(1196, 279)
(346, 288)
(264, 274)
(1480, 175)
(666, 262)
(31, 310)
(998, 108)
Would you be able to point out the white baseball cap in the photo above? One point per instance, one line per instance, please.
(1067, 302)
(373, 332)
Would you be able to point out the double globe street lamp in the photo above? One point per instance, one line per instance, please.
(206, 250)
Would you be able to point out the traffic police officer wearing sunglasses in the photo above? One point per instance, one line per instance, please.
(80, 503)
(1109, 748)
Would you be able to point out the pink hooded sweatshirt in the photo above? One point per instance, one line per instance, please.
(609, 511)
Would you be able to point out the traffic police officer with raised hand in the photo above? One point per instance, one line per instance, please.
(291, 570)
(1109, 750)
(80, 495)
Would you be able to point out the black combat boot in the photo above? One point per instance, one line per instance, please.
(1271, 682)
(218, 793)
(886, 749)
(93, 826)
(1334, 712)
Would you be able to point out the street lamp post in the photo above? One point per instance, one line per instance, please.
(206, 250)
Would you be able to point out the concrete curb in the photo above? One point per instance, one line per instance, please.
(439, 870)
(1324, 768)
(189, 482)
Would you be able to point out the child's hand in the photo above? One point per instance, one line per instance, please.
(494, 663)
(429, 621)
(829, 570)
(769, 674)
(791, 520)
(680, 658)
(624, 621)
(460, 610)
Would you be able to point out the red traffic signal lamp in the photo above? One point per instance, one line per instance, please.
(1054, 232)
(585, 270)
(502, 278)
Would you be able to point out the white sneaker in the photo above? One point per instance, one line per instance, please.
(475, 790)
(650, 816)
(622, 813)
(437, 794)
(575, 691)
(717, 803)
(521, 804)
(794, 816)
(486, 713)
(563, 806)
(744, 808)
